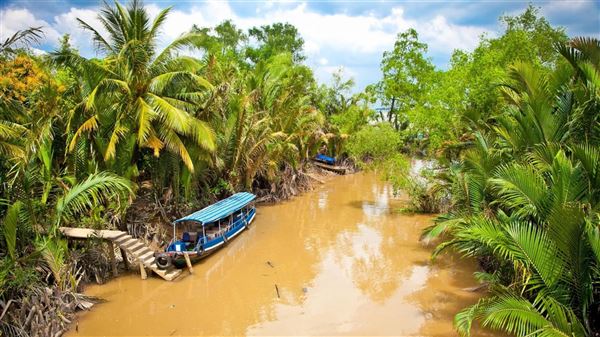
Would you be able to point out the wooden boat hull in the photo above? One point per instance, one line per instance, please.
(333, 168)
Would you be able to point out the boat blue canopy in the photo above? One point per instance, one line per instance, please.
(220, 209)
(326, 159)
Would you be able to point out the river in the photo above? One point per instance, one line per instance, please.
(339, 260)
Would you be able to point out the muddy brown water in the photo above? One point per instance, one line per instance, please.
(339, 260)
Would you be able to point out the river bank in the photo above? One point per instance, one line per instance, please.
(337, 260)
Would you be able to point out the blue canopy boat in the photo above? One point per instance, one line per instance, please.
(205, 231)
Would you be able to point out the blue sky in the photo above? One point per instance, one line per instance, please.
(348, 34)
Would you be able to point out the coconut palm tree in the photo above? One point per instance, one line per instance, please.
(264, 118)
(137, 97)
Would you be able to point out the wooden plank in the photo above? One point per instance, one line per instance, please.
(84, 233)
(124, 256)
(113, 259)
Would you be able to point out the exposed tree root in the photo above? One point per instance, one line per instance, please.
(290, 183)
(41, 312)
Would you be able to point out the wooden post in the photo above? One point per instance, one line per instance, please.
(113, 260)
(143, 271)
(188, 263)
(124, 256)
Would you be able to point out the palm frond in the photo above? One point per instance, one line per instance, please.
(532, 246)
(203, 134)
(505, 312)
(117, 134)
(159, 20)
(9, 228)
(96, 189)
(145, 116)
(88, 126)
(593, 236)
(521, 189)
(174, 143)
(99, 40)
(25, 37)
(186, 40)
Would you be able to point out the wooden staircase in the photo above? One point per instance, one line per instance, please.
(133, 246)
(144, 255)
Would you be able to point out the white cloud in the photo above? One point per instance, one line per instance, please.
(331, 40)
(38, 52)
(342, 33)
(14, 19)
(67, 23)
(443, 36)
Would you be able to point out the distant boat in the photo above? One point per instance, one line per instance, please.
(325, 159)
(328, 163)
(208, 229)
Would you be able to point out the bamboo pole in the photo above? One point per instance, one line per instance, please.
(188, 262)
(143, 271)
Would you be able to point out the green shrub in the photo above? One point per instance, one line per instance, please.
(394, 170)
(422, 187)
(374, 142)
(424, 193)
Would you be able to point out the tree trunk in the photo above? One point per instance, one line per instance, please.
(391, 112)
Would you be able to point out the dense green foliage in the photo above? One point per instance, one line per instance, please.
(513, 128)
(444, 105)
(524, 184)
(525, 198)
(79, 137)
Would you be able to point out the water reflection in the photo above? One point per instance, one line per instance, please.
(342, 261)
(322, 200)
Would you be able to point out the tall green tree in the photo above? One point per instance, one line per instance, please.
(527, 38)
(276, 39)
(407, 76)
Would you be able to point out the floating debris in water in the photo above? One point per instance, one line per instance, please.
(270, 264)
